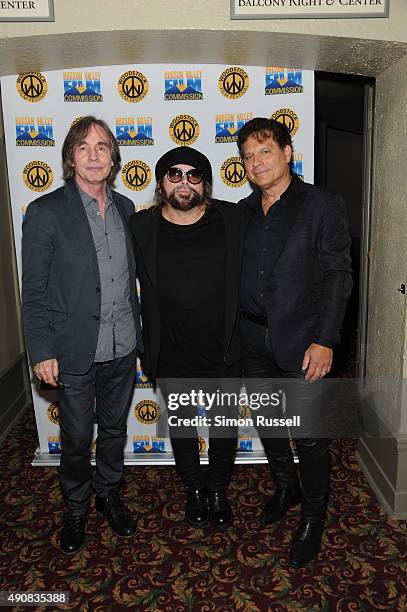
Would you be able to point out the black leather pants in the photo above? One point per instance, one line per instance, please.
(301, 398)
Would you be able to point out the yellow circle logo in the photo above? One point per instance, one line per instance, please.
(147, 412)
(136, 175)
(38, 176)
(53, 412)
(184, 130)
(232, 172)
(77, 119)
(32, 86)
(133, 86)
(233, 82)
(289, 118)
(202, 445)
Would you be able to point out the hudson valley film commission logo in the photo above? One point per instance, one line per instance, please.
(233, 82)
(232, 172)
(133, 86)
(136, 175)
(283, 81)
(38, 176)
(147, 412)
(32, 86)
(82, 87)
(184, 130)
(183, 85)
(32, 132)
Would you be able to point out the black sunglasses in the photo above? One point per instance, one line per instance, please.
(175, 175)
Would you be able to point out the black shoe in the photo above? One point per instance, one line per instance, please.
(277, 507)
(196, 509)
(120, 521)
(306, 542)
(220, 511)
(73, 533)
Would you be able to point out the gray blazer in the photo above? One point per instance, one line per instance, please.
(61, 283)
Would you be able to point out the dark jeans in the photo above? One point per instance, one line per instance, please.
(184, 438)
(111, 383)
(302, 398)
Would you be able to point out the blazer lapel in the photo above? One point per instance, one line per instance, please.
(291, 209)
(146, 231)
(232, 240)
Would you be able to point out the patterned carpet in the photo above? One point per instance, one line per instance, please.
(168, 566)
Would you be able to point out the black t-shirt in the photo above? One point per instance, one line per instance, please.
(191, 294)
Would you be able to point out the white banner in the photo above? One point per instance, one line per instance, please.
(150, 109)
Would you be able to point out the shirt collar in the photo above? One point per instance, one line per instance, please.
(87, 199)
(256, 202)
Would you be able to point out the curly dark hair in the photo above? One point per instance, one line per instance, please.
(75, 136)
(262, 128)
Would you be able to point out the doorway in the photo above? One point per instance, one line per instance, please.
(343, 111)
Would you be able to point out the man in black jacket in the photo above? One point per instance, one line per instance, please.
(81, 320)
(187, 248)
(296, 280)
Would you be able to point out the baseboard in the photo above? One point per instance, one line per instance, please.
(13, 394)
(383, 461)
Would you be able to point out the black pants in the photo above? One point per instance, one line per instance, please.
(111, 384)
(302, 398)
(222, 440)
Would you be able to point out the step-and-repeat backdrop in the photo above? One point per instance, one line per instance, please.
(150, 108)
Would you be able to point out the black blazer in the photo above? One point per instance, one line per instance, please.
(311, 278)
(144, 226)
(61, 283)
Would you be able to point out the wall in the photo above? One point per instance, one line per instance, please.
(130, 31)
(13, 394)
(383, 454)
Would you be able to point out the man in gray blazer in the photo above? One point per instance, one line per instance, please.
(81, 320)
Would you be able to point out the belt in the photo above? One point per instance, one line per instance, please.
(258, 319)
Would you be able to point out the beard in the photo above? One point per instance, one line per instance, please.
(184, 201)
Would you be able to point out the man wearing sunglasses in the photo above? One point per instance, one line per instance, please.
(187, 247)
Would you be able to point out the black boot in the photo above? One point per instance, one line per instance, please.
(220, 511)
(306, 543)
(196, 509)
(120, 521)
(277, 507)
(73, 533)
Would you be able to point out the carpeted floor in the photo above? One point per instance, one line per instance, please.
(168, 566)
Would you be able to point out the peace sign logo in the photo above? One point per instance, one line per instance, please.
(232, 172)
(289, 118)
(147, 412)
(184, 130)
(233, 82)
(136, 175)
(32, 86)
(38, 176)
(133, 86)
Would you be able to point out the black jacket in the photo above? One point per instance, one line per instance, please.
(144, 226)
(61, 283)
(311, 278)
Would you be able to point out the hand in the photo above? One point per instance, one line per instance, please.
(317, 361)
(47, 371)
